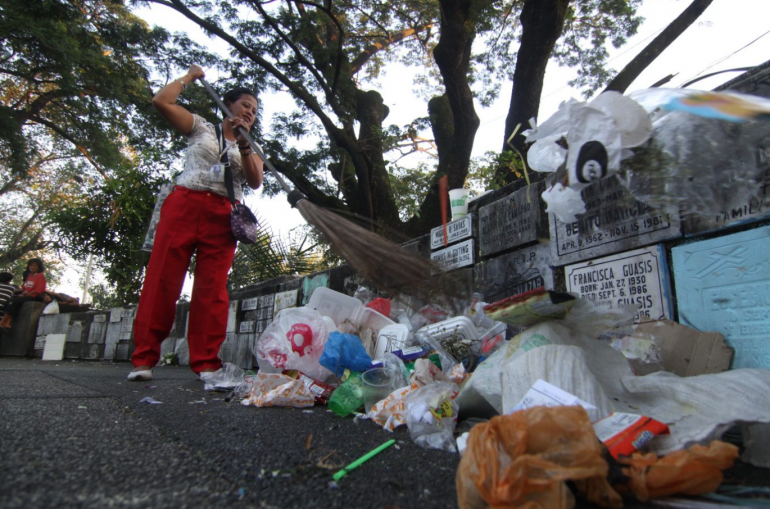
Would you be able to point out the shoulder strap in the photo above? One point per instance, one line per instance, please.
(222, 143)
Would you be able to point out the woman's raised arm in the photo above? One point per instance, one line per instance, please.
(165, 101)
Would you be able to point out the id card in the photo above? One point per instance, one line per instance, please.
(217, 173)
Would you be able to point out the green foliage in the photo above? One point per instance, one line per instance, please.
(111, 223)
(409, 187)
(488, 172)
(271, 257)
(103, 296)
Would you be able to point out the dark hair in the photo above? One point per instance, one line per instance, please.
(40, 264)
(236, 93)
(5, 277)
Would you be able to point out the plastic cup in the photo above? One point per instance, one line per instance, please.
(348, 397)
(378, 384)
(458, 201)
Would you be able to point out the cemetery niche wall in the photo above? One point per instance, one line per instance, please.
(710, 273)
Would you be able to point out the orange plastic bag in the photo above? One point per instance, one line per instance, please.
(522, 460)
(693, 471)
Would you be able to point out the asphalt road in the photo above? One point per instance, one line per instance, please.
(74, 434)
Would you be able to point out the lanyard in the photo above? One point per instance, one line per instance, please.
(222, 142)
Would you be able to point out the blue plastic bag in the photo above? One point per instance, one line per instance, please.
(344, 351)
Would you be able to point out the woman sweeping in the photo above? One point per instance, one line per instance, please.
(196, 218)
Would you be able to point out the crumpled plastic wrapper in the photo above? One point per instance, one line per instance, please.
(431, 415)
(227, 377)
(390, 413)
(272, 389)
(425, 372)
(458, 374)
(694, 471)
(563, 202)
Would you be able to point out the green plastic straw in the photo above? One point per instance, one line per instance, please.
(366, 457)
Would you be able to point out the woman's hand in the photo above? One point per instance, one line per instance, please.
(237, 122)
(195, 72)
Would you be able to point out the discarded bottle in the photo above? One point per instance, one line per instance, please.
(348, 397)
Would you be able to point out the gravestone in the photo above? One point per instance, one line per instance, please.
(515, 220)
(111, 339)
(232, 313)
(456, 230)
(249, 326)
(614, 221)
(454, 257)
(310, 283)
(91, 351)
(227, 350)
(249, 304)
(740, 210)
(53, 324)
(265, 307)
(632, 278)
(285, 300)
(243, 355)
(97, 333)
(116, 314)
(123, 350)
(514, 273)
(723, 285)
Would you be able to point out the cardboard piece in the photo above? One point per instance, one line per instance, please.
(686, 351)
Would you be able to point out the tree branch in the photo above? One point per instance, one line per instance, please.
(635, 67)
(298, 91)
(300, 57)
(72, 140)
(383, 43)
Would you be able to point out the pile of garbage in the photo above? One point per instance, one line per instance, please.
(546, 387)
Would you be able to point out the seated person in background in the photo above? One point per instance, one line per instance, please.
(6, 291)
(61, 298)
(32, 289)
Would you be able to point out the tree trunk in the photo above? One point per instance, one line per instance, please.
(371, 112)
(542, 22)
(634, 68)
(452, 55)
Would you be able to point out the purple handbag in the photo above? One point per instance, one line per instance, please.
(243, 222)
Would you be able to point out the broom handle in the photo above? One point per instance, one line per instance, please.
(254, 145)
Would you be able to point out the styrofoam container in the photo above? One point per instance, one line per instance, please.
(460, 326)
(391, 338)
(340, 307)
(335, 305)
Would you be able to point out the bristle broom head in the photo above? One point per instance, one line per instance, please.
(385, 264)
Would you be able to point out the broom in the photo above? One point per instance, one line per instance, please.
(386, 264)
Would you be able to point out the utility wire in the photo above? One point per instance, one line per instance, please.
(728, 56)
(608, 61)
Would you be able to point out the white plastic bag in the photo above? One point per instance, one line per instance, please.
(294, 340)
(431, 416)
(52, 308)
(227, 377)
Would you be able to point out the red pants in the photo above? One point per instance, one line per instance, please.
(190, 221)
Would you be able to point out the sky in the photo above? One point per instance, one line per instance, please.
(729, 34)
